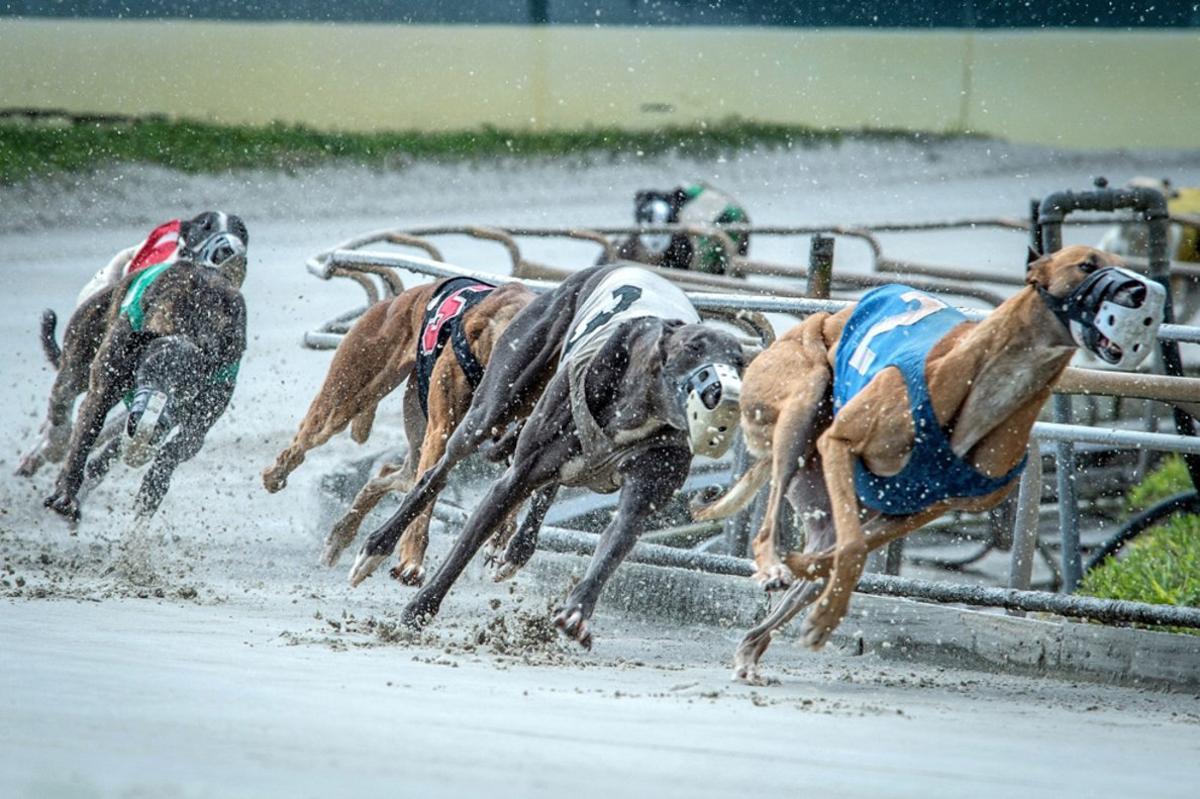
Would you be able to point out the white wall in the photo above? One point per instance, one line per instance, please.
(1092, 88)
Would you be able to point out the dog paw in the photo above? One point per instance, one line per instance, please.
(571, 623)
(702, 499)
(364, 565)
(774, 577)
(29, 465)
(503, 570)
(63, 504)
(340, 537)
(747, 674)
(272, 481)
(419, 612)
(818, 626)
(409, 573)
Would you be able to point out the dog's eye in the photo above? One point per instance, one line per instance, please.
(1088, 266)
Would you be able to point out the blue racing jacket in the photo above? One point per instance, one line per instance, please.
(897, 326)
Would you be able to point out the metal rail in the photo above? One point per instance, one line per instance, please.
(559, 539)
(352, 259)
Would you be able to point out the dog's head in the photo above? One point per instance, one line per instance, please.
(701, 385)
(216, 240)
(1107, 309)
(653, 207)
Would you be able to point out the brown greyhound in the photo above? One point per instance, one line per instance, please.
(403, 336)
(878, 419)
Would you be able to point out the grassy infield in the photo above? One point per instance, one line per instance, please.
(30, 150)
(1162, 566)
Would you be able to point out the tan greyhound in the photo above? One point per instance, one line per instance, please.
(441, 334)
(878, 419)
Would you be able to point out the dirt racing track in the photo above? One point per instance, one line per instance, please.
(213, 657)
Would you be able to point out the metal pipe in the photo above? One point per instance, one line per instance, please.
(1128, 384)
(766, 304)
(1068, 508)
(1153, 207)
(820, 266)
(1025, 525)
(1105, 610)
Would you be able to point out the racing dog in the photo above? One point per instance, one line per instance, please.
(396, 338)
(627, 384)
(212, 238)
(696, 204)
(898, 410)
(173, 342)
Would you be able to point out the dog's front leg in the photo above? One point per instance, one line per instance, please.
(850, 552)
(650, 480)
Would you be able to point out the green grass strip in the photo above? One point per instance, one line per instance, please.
(31, 149)
(1162, 565)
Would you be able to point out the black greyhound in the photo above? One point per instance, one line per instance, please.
(173, 343)
(633, 385)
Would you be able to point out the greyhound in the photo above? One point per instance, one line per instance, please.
(696, 204)
(173, 338)
(395, 338)
(627, 385)
(212, 238)
(901, 408)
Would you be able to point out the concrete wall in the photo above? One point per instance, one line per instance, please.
(1087, 88)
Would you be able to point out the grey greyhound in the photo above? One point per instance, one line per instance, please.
(625, 386)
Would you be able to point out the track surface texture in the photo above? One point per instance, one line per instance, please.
(214, 658)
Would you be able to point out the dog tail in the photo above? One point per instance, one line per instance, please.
(737, 497)
(49, 344)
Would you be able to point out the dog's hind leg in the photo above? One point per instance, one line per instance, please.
(817, 563)
(343, 532)
(329, 414)
(55, 433)
(184, 445)
(100, 398)
(745, 660)
(651, 478)
(109, 446)
(368, 365)
(809, 498)
(520, 547)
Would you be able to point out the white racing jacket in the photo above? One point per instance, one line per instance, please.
(626, 293)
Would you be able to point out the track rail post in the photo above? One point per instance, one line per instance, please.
(820, 267)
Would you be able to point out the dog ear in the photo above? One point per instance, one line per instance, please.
(646, 375)
(1031, 256)
(1035, 270)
